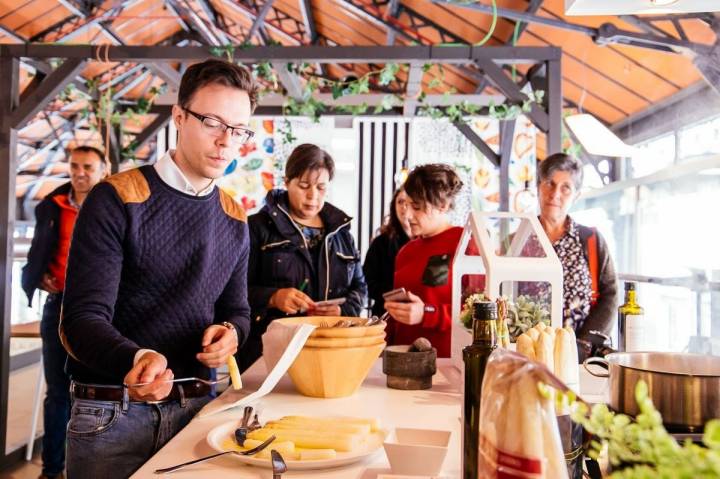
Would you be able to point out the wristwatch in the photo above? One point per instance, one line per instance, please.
(230, 326)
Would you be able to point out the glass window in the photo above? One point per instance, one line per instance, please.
(700, 139)
(652, 156)
(663, 229)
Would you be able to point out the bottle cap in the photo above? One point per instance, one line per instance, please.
(485, 310)
(629, 286)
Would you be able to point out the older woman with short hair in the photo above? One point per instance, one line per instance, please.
(589, 280)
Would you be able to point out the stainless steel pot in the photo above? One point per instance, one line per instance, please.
(685, 388)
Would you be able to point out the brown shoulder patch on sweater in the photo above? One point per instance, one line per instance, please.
(131, 186)
(231, 207)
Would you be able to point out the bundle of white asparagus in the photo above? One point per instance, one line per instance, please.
(556, 349)
(519, 435)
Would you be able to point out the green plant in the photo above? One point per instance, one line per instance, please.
(641, 448)
(523, 313)
(286, 132)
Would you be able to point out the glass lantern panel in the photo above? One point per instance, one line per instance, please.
(513, 237)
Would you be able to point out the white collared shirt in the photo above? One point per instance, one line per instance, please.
(171, 174)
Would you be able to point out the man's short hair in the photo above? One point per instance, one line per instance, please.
(90, 149)
(220, 72)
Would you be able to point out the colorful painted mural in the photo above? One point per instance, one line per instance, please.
(435, 141)
(260, 164)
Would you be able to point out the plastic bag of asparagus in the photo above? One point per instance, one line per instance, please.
(523, 432)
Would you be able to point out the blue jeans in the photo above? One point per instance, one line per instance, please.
(106, 441)
(56, 410)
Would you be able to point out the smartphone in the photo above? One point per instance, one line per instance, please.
(330, 302)
(399, 295)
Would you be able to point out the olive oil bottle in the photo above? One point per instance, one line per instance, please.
(633, 331)
(475, 358)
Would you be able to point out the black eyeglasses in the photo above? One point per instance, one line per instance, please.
(214, 127)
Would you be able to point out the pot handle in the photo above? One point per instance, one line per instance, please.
(599, 362)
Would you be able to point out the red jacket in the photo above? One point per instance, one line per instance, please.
(424, 267)
(66, 223)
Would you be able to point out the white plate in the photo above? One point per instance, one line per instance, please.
(220, 433)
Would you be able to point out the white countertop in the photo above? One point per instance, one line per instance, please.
(437, 408)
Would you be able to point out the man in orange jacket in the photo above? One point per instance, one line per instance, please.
(45, 269)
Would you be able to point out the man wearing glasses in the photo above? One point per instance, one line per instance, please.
(156, 288)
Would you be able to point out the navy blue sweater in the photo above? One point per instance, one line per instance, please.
(151, 267)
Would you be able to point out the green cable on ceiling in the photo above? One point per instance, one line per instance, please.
(516, 32)
(490, 32)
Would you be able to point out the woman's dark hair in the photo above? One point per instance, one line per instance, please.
(219, 72)
(434, 184)
(561, 162)
(308, 157)
(392, 226)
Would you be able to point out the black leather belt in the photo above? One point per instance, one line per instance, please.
(194, 389)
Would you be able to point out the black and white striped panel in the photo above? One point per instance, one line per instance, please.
(383, 151)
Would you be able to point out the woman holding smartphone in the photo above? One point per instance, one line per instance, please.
(379, 266)
(424, 265)
(301, 251)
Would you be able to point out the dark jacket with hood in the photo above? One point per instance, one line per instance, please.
(44, 242)
(279, 258)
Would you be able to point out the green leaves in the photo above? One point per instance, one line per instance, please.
(388, 102)
(227, 51)
(310, 107)
(388, 74)
(643, 448)
(287, 134)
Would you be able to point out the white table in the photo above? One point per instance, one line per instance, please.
(438, 408)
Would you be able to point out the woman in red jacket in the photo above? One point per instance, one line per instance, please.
(424, 265)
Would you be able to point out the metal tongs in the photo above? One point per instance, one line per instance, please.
(209, 382)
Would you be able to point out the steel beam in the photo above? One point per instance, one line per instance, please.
(171, 8)
(120, 77)
(532, 9)
(393, 10)
(197, 23)
(643, 25)
(309, 20)
(484, 148)
(9, 33)
(521, 16)
(554, 99)
(151, 130)
(292, 83)
(9, 81)
(459, 55)
(167, 73)
(691, 105)
(130, 85)
(507, 133)
(51, 86)
(413, 89)
(607, 33)
(512, 91)
(252, 16)
(610, 34)
(212, 16)
(259, 19)
(679, 28)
